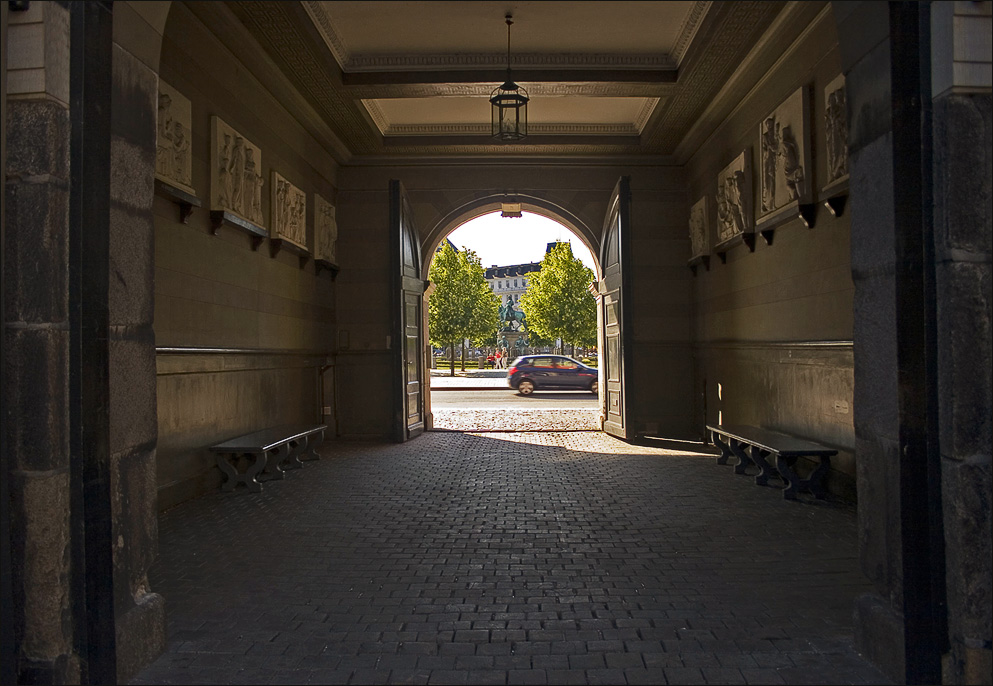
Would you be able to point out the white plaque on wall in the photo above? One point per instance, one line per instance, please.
(288, 205)
(325, 231)
(173, 155)
(784, 157)
(734, 199)
(235, 173)
(699, 235)
(836, 130)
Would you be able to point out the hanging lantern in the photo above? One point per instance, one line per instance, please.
(509, 105)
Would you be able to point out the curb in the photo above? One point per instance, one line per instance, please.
(471, 388)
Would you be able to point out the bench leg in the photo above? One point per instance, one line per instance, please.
(725, 450)
(293, 453)
(785, 466)
(815, 481)
(744, 460)
(274, 465)
(313, 440)
(249, 478)
(765, 469)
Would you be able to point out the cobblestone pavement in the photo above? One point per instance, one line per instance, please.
(518, 558)
(516, 420)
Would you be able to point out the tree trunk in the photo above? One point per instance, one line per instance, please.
(451, 370)
(462, 347)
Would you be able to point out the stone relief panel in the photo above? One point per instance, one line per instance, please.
(325, 231)
(235, 173)
(289, 212)
(836, 130)
(698, 229)
(734, 199)
(784, 161)
(174, 156)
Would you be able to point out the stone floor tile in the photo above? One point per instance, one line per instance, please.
(555, 557)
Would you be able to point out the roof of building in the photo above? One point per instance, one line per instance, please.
(496, 272)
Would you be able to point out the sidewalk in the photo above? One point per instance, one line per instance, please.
(469, 380)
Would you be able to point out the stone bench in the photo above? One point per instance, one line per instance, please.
(763, 444)
(270, 451)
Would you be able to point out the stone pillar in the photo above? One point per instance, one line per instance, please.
(132, 421)
(36, 343)
(963, 235)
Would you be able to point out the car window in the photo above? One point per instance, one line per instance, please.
(566, 364)
(544, 362)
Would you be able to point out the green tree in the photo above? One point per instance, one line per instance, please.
(557, 302)
(462, 305)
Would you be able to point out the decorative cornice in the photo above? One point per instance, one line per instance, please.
(687, 32)
(377, 115)
(484, 90)
(645, 114)
(370, 63)
(315, 10)
(533, 129)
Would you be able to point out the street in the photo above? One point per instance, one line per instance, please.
(507, 399)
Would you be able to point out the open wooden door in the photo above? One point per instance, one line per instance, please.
(408, 296)
(615, 300)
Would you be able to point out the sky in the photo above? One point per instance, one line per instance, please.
(503, 241)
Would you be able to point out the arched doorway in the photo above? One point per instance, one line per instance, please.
(605, 249)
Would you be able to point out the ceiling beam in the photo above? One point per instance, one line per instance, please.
(641, 83)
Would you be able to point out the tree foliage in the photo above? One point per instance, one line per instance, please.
(462, 305)
(557, 302)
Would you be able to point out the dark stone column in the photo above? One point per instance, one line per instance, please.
(133, 424)
(36, 362)
(963, 237)
(885, 55)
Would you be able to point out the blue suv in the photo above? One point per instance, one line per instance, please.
(546, 372)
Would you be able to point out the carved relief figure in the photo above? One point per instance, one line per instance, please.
(181, 154)
(236, 173)
(836, 129)
(237, 176)
(792, 169)
(770, 144)
(289, 212)
(734, 193)
(174, 157)
(224, 174)
(325, 230)
(784, 150)
(163, 158)
(698, 228)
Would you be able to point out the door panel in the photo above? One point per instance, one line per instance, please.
(407, 292)
(614, 288)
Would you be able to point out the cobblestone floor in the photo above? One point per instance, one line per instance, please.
(515, 420)
(515, 558)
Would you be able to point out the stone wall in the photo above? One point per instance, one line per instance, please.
(773, 325)
(242, 335)
(444, 196)
(963, 237)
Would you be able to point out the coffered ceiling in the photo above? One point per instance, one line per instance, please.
(409, 79)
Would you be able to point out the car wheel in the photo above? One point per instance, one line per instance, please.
(594, 388)
(525, 388)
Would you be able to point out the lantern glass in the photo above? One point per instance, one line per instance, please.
(509, 112)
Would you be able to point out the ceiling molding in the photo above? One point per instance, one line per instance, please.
(375, 63)
(795, 23)
(687, 32)
(533, 129)
(654, 89)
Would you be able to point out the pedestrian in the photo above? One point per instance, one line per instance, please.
(491, 361)
(499, 360)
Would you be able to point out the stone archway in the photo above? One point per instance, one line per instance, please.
(491, 203)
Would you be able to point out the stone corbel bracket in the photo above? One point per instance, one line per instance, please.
(186, 201)
(219, 218)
